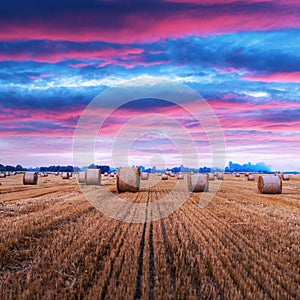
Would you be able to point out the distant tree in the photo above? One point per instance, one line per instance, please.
(103, 169)
(10, 168)
(19, 168)
(259, 167)
(176, 169)
(204, 170)
(70, 169)
(92, 166)
(76, 169)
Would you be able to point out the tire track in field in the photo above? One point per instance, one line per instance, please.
(151, 262)
(118, 232)
(139, 278)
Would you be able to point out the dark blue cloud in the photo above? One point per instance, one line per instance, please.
(273, 51)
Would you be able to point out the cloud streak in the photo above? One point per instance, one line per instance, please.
(140, 20)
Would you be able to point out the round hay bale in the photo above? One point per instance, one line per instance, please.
(211, 176)
(70, 174)
(164, 177)
(93, 177)
(247, 174)
(65, 175)
(30, 178)
(237, 175)
(251, 177)
(2, 175)
(198, 183)
(128, 179)
(171, 174)
(269, 185)
(7, 173)
(112, 175)
(285, 177)
(105, 174)
(56, 174)
(220, 176)
(144, 176)
(81, 177)
(180, 177)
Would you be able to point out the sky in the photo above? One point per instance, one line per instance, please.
(242, 57)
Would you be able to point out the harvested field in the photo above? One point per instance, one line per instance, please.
(55, 245)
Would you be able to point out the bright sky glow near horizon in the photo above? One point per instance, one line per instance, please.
(242, 57)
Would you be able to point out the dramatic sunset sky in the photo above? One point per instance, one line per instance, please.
(243, 57)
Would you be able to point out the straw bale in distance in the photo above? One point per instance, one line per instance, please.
(220, 176)
(93, 177)
(65, 175)
(269, 185)
(211, 176)
(2, 175)
(144, 176)
(30, 178)
(251, 177)
(180, 177)
(198, 183)
(81, 177)
(128, 179)
(285, 177)
(164, 177)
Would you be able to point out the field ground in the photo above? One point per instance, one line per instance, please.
(55, 245)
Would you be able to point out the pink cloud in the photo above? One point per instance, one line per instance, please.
(80, 65)
(35, 77)
(129, 65)
(275, 77)
(227, 70)
(57, 56)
